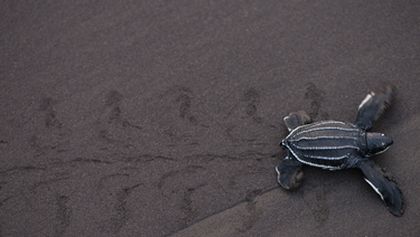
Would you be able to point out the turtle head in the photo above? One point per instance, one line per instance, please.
(377, 143)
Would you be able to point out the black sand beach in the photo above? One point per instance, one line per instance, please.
(163, 118)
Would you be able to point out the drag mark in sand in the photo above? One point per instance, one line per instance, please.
(252, 99)
(120, 214)
(316, 96)
(54, 136)
(145, 158)
(103, 180)
(250, 200)
(63, 215)
(252, 214)
(113, 100)
(187, 204)
(49, 182)
(47, 106)
(185, 100)
(22, 169)
(187, 170)
(90, 160)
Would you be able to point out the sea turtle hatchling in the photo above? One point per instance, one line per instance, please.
(336, 145)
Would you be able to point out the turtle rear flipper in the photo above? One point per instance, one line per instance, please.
(296, 119)
(289, 173)
(384, 186)
(372, 107)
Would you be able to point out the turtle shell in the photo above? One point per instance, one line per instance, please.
(326, 144)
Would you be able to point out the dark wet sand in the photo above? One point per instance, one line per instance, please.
(154, 118)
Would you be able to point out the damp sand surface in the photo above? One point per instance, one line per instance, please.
(163, 118)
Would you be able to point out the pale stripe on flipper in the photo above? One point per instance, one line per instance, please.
(375, 188)
(380, 152)
(277, 170)
(278, 174)
(284, 120)
(377, 153)
(366, 99)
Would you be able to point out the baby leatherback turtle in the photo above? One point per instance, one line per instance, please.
(336, 145)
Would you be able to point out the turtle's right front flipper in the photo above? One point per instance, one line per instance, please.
(289, 173)
(386, 188)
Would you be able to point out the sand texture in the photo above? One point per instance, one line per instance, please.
(163, 118)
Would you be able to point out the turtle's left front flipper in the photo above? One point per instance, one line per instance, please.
(296, 119)
(384, 186)
(372, 107)
(289, 173)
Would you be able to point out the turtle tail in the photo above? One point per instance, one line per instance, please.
(384, 185)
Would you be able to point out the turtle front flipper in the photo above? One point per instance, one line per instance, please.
(372, 107)
(296, 119)
(289, 173)
(384, 186)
